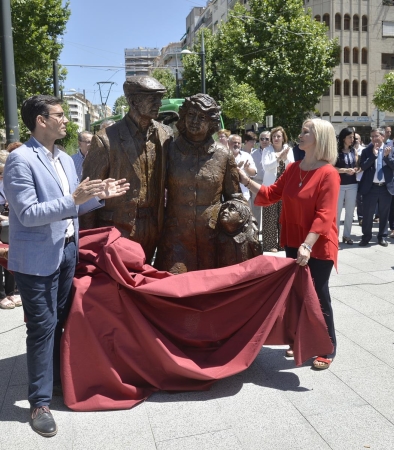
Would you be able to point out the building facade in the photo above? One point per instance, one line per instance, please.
(365, 32)
(140, 61)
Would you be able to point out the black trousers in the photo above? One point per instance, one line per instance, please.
(8, 286)
(321, 271)
(377, 195)
(391, 215)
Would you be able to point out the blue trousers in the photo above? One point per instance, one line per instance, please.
(46, 304)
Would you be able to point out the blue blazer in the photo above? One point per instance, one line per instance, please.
(367, 164)
(39, 210)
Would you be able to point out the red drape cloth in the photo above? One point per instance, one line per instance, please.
(133, 330)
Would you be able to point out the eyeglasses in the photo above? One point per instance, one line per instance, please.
(355, 139)
(264, 139)
(59, 116)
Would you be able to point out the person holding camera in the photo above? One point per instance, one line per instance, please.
(8, 299)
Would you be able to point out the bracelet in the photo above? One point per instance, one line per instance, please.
(307, 247)
(247, 184)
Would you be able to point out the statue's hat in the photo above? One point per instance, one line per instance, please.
(143, 85)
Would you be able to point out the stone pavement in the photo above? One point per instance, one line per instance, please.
(272, 405)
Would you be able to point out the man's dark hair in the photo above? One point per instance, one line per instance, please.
(37, 106)
(250, 136)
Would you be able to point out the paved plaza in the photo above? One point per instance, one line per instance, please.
(272, 405)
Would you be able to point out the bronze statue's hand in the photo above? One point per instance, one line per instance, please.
(114, 188)
(87, 190)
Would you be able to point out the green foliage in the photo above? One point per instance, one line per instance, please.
(37, 24)
(275, 48)
(383, 96)
(241, 103)
(119, 102)
(167, 79)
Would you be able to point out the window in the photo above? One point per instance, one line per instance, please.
(326, 20)
(326, 93)
(355, 55)
(387, 61)
(364, 22)
(388, 29)
(326, 114)
(363, 88)
(364, 56)
(346, 89)
(356, 23)
(364, 114)
(317, 114)
(318, 18)
(346, 22)
(346, 55)
(346, 113)
(337, 87)
(355, 88)
(337, 21)
(337, 113)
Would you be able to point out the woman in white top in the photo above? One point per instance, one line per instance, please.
(275, 158)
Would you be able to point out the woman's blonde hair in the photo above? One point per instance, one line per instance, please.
(224, 131)
(284, 135)
(3, 157)
(326, 141)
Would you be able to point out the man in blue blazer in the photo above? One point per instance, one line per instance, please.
(376, 185)
(45, 199)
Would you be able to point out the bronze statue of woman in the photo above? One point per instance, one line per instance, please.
(201, 173)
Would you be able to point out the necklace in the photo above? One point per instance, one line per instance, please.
(302, 178)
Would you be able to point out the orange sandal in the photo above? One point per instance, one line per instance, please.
(321, 363)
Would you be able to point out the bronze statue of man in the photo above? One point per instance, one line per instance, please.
(134, 148)
(200, 172)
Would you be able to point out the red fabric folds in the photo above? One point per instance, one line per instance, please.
(133, 330)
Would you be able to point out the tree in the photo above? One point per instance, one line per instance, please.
(167, 79)
(383, 96)
(119, 102)
(37, 25)
(277, 49)
(241, 103)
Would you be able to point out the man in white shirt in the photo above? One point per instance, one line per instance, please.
(243, 160)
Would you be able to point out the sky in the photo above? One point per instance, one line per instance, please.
(98, 31)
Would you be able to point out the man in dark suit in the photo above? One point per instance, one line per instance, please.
(376, 185)
(134, 148)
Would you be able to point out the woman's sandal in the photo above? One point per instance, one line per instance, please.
(347, 240)
(321, 363)
(6, 303)
(15, 299)
(289, 353)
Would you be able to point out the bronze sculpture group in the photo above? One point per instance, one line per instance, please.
(196, 176)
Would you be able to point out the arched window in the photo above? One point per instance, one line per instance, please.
(346, 113)
(364, 114)
(337, 87)
(364, 23)
(346, 55)
(346, 88)
(326, 93)
(326, 19)
(318, 18)
(326, 114)
(363, 88)
(356, 23)
(364, 56)
(337, 21)
(355, 88)
(355, 55)
(355, 113)
(317, 114)
(337, 113)
(346, 22)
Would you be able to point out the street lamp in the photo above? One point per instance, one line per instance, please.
(202, 54)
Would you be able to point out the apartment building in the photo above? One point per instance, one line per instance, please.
(170, 58)
(80, 106)
(140, 61)
(365, 30)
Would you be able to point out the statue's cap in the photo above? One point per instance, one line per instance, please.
(143, 85)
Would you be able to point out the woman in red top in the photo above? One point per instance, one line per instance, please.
(309, 192)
